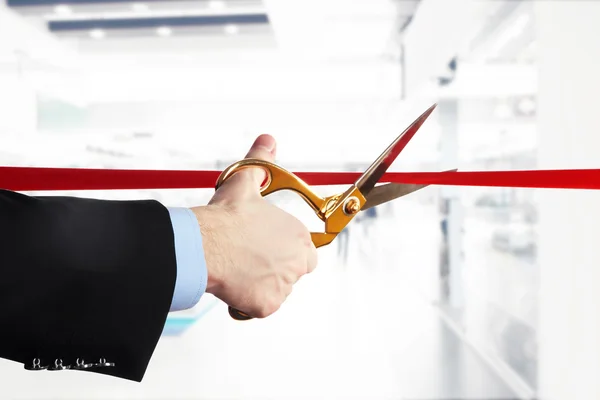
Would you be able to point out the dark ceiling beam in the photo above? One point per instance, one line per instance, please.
(156, 22)
(34, 3)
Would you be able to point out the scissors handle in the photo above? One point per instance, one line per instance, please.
(336, 211)
(277, 179)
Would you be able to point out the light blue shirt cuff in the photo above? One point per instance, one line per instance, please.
(192, 275)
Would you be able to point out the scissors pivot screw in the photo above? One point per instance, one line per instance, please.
(351, 206)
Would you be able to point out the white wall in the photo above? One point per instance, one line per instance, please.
(307, 131)
(568, 33)
(18, 104)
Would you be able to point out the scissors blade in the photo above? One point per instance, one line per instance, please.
(369, 179)
(391, 191)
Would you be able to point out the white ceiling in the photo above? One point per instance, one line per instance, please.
(304, 40)
(323, 71)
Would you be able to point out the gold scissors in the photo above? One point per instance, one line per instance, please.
(338, 210)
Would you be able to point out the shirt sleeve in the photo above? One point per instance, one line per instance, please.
(192, 274)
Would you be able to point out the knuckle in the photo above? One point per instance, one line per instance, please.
(268, 307)
(312, 265)
(299, 270)
(305, 237)
(288, 291)
(312, 258)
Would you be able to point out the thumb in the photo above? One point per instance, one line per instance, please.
(263, 148)
(248, 181)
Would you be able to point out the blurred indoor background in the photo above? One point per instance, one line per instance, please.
(449, 293)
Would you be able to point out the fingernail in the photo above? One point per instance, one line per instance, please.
(269, 145)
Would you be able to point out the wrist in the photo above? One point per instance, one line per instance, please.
(209, 223)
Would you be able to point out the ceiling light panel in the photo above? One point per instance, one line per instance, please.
(91, 9)
(140, 7)
(230, 25)
(164, 31)
(63, 10)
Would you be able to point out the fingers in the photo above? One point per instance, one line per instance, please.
(311, 258)
(263, 149)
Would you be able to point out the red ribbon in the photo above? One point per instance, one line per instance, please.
(42, 179)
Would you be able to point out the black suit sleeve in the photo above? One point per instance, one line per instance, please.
(84, 279)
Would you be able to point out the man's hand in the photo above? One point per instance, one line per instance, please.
(255, 252)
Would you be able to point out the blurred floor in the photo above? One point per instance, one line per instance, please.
(359, 331)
